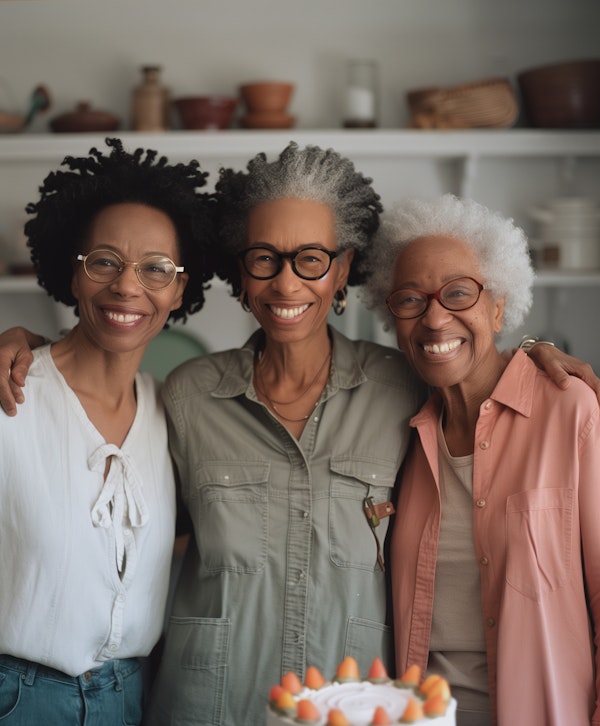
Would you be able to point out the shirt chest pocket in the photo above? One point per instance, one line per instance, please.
(539, 535)
(231, 506)
(351, 539)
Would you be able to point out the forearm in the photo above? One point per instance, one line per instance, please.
(559, 365)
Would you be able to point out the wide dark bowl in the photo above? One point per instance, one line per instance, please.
(85, 119)
(562, 95)
(206, 112)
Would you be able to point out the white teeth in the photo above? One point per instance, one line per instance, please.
(288, 313)
(442, 347)
(122, 317)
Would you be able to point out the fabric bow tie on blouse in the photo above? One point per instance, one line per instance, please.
(121, 502)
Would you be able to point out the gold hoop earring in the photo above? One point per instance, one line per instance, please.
(244, 303)
(339, 302)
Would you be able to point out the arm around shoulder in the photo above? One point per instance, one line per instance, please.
(16, 345)
(560, 366)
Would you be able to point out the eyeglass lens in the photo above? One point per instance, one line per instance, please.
(310, 263)
(459, 294)
(153, 271)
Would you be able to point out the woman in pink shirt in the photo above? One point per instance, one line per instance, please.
(496, 544)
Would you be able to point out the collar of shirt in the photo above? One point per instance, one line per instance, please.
(346, 371)
(514, 389)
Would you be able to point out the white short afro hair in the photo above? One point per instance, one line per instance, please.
(500, 246)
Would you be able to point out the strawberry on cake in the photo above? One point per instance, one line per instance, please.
(349, 700)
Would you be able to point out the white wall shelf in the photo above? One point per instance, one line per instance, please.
(19, 283)
(360, 143)
(567, 278)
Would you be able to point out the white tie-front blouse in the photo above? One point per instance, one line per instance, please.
(84, 562)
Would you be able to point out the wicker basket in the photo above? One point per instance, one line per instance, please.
(487, 103)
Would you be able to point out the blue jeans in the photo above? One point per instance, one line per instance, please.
(34, 695)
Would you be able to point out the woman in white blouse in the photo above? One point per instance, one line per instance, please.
(86, 483)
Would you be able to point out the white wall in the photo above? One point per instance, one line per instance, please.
(92, 49)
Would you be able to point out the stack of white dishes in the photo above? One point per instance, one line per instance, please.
(569, 233)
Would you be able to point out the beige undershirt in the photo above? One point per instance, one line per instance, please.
(457, 645)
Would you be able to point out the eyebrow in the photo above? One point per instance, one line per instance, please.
(413, 285)
(309, 245)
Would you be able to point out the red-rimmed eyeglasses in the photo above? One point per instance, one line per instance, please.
(459, 294)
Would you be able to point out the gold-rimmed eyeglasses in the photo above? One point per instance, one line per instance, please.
(459, 294)
(154, 272)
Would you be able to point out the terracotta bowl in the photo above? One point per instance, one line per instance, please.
(205, 112)
(266, 96)
(10, 122)
(563, 95)
(267, 120)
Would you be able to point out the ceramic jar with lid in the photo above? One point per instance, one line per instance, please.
(83, 118)
(150, 102)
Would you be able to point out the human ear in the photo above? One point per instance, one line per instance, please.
(499, 314)
(344, 262)
(181, 281)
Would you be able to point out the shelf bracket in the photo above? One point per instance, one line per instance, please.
(469, 173)
(567, 173)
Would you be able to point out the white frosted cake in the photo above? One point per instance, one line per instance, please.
(350, 701)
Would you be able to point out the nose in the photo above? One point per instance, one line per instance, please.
(436, 315)
(127, 282)
(287, 279)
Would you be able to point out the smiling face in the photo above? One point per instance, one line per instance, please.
(123, 315)
(447, 347)
(287, 307)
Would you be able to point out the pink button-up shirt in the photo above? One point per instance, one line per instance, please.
(536, 529)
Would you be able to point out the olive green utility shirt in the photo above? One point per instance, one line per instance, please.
(284, 570)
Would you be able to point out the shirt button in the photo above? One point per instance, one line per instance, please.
(302, 575)
(304, 515)
(484, 445)
(121, 597)
(315, 419)
(487, 405)
(480, 503)
(483, 560)
(491, 622)
(113, 646)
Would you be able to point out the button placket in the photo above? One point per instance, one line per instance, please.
(298, 566)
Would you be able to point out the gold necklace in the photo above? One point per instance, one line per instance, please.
(272, 403)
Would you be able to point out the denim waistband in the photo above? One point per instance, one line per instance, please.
(93, 678)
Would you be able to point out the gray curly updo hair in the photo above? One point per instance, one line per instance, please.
(500, 246)
(312, 173)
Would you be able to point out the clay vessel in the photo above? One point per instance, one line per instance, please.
(266, 96)
(205, 112)
(83, 119)
(150, 102)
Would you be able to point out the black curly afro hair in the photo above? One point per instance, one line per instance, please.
(312, 173)
(69, 201)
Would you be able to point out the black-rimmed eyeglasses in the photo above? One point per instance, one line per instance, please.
(459, 294)
(309, 263)
(154, 272)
